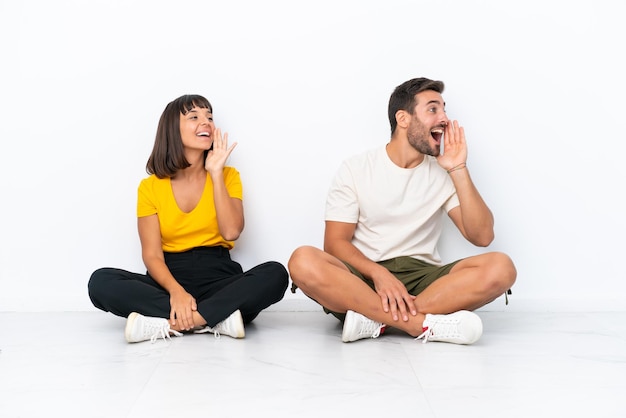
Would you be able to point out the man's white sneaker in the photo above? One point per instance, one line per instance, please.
(231, 326)
(142, 328)
(462, 327)
(357, 326)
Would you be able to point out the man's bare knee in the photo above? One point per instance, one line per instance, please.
(301, 260)
(501, 273)
(304, 266)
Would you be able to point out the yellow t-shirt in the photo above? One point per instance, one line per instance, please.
(182, 231)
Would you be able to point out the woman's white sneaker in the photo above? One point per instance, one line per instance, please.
(231, 326)
(142, 328)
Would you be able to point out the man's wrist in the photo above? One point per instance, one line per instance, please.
(456, 167)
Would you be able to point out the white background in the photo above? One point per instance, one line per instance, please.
(538, 85)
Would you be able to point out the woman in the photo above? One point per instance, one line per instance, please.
(190, 212)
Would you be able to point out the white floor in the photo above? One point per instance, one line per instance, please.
(293, 364)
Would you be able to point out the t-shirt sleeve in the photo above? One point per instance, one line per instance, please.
(342, 204)
(451, 203)
(232, 179)
(146, 204)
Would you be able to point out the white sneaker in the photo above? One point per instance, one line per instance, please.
(142, 328)
(231, 326)
(462, 327)
(357, 326)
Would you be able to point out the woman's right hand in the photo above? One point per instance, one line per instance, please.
(217, 156)
(182, 307)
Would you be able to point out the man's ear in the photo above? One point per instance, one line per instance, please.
(403, 118)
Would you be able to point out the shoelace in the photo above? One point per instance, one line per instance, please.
(204, 330)
(425, 335)
(164, 332)
(371, 328)
(444, 329)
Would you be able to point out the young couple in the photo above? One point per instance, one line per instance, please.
(379, 268)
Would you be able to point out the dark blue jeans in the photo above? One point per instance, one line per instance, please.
(218, 284)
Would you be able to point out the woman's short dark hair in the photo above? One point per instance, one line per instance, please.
(403, 97)
(168, 152)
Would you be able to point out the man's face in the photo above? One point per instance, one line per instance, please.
(427, 123)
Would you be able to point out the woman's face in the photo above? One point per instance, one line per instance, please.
(196, 128)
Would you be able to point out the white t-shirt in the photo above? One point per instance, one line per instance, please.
(397, 211)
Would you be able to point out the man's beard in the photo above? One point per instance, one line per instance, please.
(420, 140)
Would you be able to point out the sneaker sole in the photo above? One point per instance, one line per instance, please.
(129, 326)
(347, 324)
(240, 333)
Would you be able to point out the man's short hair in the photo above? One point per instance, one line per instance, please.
(403, 97)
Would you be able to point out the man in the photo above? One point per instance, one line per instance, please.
(384, 212)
